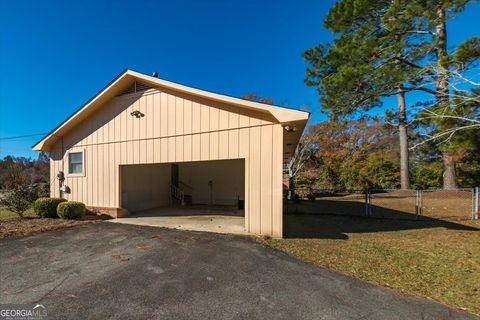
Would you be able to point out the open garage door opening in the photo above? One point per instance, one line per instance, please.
(200, 192)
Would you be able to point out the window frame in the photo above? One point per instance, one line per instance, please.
(81, 174)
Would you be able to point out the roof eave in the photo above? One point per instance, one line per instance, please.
(39, 146)
(283, 115)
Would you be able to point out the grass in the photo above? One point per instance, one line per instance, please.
(435, 259)
(6, 214)
(440, 204)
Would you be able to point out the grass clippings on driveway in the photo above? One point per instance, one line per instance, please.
(435, 259)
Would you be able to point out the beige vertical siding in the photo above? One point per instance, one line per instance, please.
(176, 128)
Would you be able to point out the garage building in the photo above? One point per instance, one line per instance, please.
(144, 143)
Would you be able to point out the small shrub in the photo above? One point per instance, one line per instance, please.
(19, 199)
(42, 189)
(47, 207)
(296, 198)
(311, 196)
(71, 210)
(302, 193)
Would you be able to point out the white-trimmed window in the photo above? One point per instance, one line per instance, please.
(75, 163)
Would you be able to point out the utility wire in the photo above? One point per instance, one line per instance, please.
(24, 136)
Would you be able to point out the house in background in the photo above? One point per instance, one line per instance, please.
(142, 142)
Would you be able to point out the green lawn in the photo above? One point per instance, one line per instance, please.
(435, 259)
(5, 213)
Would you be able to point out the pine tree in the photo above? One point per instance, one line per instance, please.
(387, 48)
(362, 66)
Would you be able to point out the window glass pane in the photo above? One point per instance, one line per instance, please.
(76, 157)
(75, 162)
(75, 168)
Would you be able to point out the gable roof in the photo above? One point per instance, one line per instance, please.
(127, 77)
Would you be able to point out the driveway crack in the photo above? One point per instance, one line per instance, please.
(53, 289)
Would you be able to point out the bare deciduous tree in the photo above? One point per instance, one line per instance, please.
(306, 147)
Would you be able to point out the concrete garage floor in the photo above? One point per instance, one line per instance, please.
(117, 271)
(197, 218)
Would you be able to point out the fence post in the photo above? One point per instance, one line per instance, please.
(421, 203)
(476, 203)
(370, 203)
(417, 201)
(366, 201)
(474, 196)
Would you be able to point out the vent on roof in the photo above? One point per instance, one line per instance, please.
(136, 87)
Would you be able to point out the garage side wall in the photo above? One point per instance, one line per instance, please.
(227, 177)
(175, 128)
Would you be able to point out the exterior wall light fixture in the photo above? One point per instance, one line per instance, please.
(290, 128)
(137, 114)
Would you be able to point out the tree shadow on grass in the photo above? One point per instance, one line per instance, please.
(318, 222)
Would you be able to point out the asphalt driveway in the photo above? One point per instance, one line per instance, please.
(116, 271)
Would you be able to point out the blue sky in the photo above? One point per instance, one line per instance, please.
(55, 55)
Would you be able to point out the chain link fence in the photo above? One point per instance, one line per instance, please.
(455, 205)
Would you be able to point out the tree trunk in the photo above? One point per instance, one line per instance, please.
(449, 174)
(441, 81)
(443, 94)
(291, 183)
(403, 135)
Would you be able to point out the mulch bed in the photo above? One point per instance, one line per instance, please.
(19, 227)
